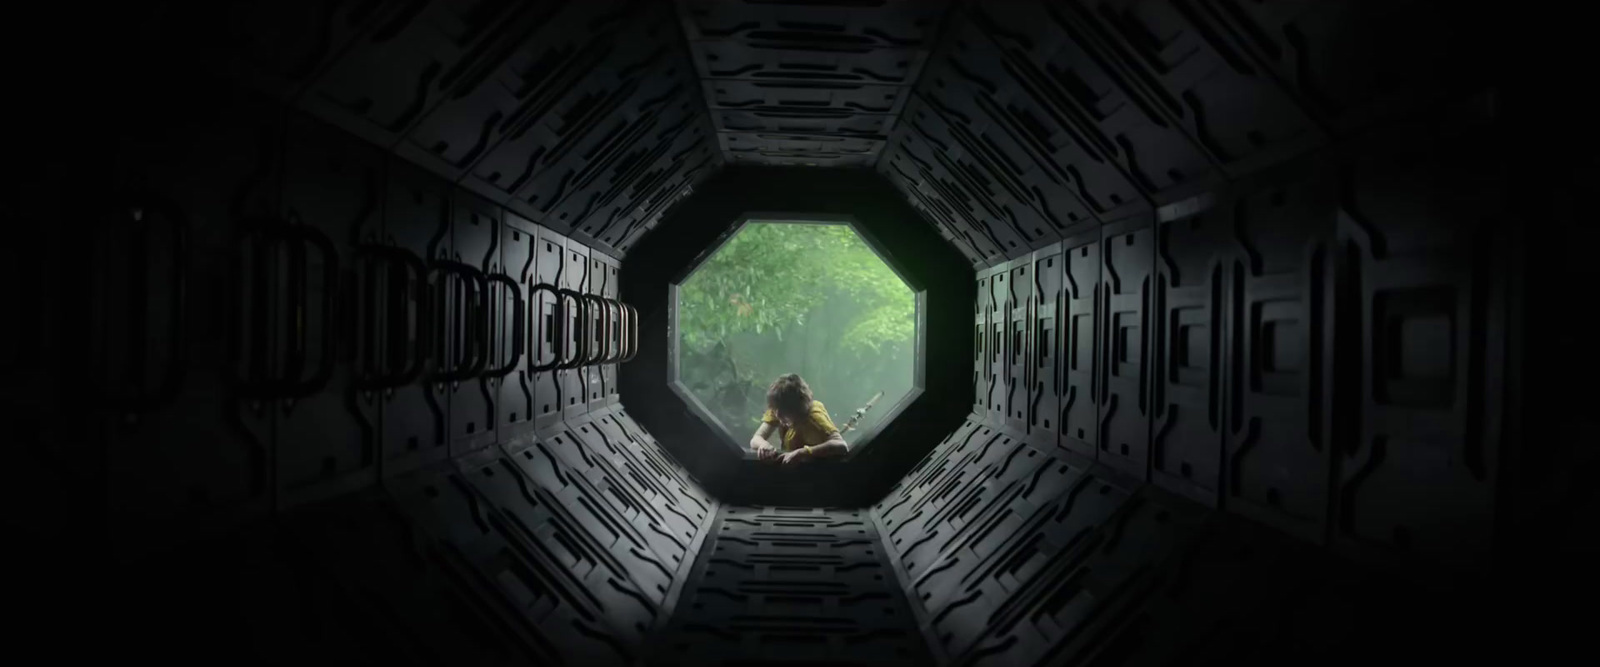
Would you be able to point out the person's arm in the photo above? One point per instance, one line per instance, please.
(833, 447)
(759, 444)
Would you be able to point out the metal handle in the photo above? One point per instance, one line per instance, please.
(396, 334)
(518, 315)
(537, 347)
(172, 375)
(597, 313)
(298, 332)
(613, 352)
(633, 335)
(470, 324)
(583, 308)
(260, 380)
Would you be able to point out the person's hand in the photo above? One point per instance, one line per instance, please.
(764, 451)
(794, 457)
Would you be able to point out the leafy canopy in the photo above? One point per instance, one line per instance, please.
(794, 297)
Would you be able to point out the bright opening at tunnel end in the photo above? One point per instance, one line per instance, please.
(794, 296)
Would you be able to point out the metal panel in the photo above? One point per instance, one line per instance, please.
(416, 415)
(981, 341)
(389, 78)
(519, 240)
(1236, 114)
(1192, 258)
(668, 535)
(1080, 363)
(1350, 64)
(746, 61)
(638, 180)
(624, 542)
(1062, 172)
(1127, 253)
(547, 59)
(999, 318)
(1053, 80)
(777, 97)
(1086, 585)
(809, 584)
(1279, 438)
(800, 121)
(520, 585)
(574, 381)
(541, 528)
(1424, 288)
(475, 239)
(326, 435)
(524, 169)
(910, 173)
(553, 324)
(199, 457)
(1018, 543)
(893, 23)
(1018, 312)
(990, 199)
(1046, 343)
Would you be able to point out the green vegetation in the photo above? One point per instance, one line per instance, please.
(799, 298)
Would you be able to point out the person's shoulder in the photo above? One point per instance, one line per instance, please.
(817, 406)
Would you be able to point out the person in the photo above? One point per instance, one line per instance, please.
(807, 431)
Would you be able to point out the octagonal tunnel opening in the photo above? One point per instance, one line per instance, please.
(804, 296)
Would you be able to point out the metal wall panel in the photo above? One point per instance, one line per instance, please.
(1071, 184)
(797, 83)
(519, 241)
(327, 427)
(1190, 311)
(999, 323)
(518, 585)
(198, 455)
(1080, 405)
(391, 76)
(574, 379)
(809, 584)
(1047, 340)
(981, 342)
(545, 62)
(1423, 288)
(475, 237)
(1127, 254)
(1095, 115)
(416, 414)
(554, 322)
(1279, 441)
(1018, 313)
(1236, 114)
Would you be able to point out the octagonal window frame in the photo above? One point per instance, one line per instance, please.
(859, 439)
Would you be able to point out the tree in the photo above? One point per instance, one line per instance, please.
(793, 297)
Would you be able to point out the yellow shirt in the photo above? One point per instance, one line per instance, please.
(816, 429)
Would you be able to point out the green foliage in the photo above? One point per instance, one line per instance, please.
(792, 297)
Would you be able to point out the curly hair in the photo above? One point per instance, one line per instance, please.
(789, 396)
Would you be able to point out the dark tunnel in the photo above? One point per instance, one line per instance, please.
(346, 332)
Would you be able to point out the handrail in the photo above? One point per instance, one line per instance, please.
(597, 355)
(556, 325)
(413, 341)
(583, 305)
(470, 323)
(518, 314)
(633, 324)
(613, 352)
(172, 375)
(295, 358)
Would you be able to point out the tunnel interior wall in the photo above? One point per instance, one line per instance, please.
(1290, 394)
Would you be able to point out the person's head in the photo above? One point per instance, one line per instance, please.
(789, 398)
